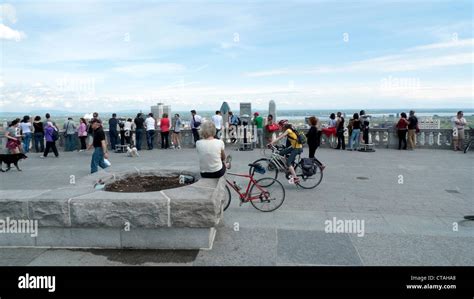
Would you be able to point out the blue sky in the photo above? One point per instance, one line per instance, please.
(117, 55)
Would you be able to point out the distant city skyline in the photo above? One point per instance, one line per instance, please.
(123, 55)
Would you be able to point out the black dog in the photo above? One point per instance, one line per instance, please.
(11, 159)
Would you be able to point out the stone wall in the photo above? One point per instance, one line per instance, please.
(82, 216)
(381, 137)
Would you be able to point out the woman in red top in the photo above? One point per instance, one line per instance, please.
(165, 131)
(402, 129)
(330, 131)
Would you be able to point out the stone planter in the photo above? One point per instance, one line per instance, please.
(80, 216)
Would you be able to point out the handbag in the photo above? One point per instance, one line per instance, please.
(417, 129)
(273, 127)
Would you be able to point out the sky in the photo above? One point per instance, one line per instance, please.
(119, 55)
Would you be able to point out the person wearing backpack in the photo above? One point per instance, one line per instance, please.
(51, 135)
(295, 149)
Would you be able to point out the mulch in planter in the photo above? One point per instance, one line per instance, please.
(144, 184)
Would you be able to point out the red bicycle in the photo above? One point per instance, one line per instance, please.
(265, 199)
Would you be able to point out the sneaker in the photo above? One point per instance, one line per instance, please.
(293, 181)
(179, 147)
(42, 157)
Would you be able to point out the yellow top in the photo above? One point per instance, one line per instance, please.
(293, 139)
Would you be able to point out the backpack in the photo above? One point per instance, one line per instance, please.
(349, 125)
(308, 167)
(239, 122)
(300, 137)
(55, 135)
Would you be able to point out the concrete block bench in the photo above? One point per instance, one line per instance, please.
(80, 216)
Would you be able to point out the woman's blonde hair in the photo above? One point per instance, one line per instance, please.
(208, 129)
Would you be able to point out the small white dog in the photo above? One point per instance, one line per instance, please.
(132, 152)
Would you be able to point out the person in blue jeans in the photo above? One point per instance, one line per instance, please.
(26, 129)
(150, 125)
(70, 130)
(355, 132)
(38, 134)
(100, 147)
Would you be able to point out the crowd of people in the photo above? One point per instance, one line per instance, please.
(42, 135)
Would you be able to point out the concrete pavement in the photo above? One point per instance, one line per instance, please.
(412, 204)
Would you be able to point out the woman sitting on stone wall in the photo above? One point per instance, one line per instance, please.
(211, 152)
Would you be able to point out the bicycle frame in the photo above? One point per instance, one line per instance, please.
(280, 161)
(252, 182)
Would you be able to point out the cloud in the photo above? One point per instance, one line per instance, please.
(126, 31)
(455, 43)
(207, 97)
(11, 34)
(148, 69)
(7, 13)
(412, 59)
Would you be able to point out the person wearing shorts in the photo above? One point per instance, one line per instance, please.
(293, 150)
(175, 137)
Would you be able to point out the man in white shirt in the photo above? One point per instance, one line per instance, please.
(458, 130)
(217, 120)
(195, 124)
(150, 124)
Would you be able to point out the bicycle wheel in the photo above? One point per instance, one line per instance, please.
(271, 171)
(227, 198)
(270, 198)
(466, 149)
(309, 182)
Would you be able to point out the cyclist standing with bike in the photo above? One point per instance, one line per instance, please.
(295, 148)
